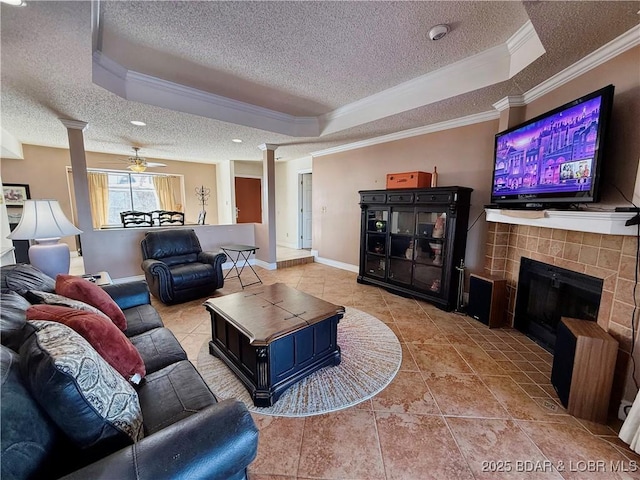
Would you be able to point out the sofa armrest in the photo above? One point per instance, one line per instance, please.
(129, 294)
(159, 279)
(215, 259)
(218, 442)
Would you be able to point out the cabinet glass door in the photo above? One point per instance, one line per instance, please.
(376, 242)
(429, 250)
(401, 247)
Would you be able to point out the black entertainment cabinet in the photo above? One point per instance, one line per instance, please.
(412, 239)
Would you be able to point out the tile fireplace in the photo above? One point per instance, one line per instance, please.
(610, 257)
(546, 293)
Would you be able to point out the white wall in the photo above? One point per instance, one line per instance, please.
(118, 251)
(287, 200)
(225, 192)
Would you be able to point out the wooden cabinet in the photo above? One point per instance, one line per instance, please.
(412, 240)
(584, 361)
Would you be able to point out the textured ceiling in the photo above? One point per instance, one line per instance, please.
(301, 58)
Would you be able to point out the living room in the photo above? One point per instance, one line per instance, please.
(461, 148)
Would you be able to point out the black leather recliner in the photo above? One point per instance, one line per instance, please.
(176, 268)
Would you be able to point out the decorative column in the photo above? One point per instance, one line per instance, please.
(75, 131)
(266, 232)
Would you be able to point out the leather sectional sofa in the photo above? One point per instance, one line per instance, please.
(186, 432)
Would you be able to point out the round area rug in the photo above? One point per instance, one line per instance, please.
(371, 357)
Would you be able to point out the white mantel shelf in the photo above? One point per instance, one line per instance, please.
(611, 223)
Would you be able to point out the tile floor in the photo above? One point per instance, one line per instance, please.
(468, 402)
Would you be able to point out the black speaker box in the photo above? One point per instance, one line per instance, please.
(487, 299)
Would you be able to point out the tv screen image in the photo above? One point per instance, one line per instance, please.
(554, 157)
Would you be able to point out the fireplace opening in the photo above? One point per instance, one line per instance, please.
(546, 293)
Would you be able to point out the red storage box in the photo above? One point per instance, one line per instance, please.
(409, 180)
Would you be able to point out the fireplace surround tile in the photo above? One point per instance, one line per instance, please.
(609, 259)
(614, 242)
(588, 255)
(593, 239)
(560, 235)
(574, 237)
(571, 251)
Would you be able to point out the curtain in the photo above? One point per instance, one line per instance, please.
(630, 431)
(99, 198)
(164, 189)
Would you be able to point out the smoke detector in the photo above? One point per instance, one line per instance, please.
(439, 31)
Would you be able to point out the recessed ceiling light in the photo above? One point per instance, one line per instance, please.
(138, 123)
(15, 3)
(439, 31)
(236, 140)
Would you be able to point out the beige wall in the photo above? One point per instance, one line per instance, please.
(623, 147)
(463, 157)
(287, 217)
(44, 170)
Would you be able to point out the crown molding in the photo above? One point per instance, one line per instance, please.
(615, 47)
(524, 47)
(486, 68)
(139, 87)
(268, 146)
(508, 102)
(10, 146)
(74, 124)
(414, 132)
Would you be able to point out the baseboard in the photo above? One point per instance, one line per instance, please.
(265, 265)
(335, 263)
(288, 245)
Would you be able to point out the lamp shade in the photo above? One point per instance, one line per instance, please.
(43, 219)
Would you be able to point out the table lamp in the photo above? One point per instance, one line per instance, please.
(44, 222)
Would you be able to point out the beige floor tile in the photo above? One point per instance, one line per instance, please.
(419, 447)
(366, 442)
(499, 449)
(341, 445)
(408, 363)
(480, 362)
(463, 395)
(407, 393)
(423, 332)
(573, 463)
(438, 358)
(278, 446)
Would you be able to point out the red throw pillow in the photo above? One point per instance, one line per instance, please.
(80, 289)
(110, 343)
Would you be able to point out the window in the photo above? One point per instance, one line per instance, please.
(130, 191)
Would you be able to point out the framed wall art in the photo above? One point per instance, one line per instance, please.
(15, 194)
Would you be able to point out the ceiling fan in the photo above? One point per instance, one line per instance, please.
(139, 164)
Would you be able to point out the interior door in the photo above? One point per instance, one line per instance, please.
(306, 210)
(248, 200)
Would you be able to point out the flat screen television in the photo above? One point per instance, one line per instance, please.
(555, 158)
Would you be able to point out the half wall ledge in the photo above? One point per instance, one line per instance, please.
(610, 223)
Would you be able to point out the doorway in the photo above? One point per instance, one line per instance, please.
(248, 200)
(305, 210)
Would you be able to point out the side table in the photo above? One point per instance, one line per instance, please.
(243, 253)
(100, 278)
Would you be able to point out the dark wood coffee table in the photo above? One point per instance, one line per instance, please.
(273, 337)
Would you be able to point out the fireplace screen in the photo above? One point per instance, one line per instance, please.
(546, 293)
